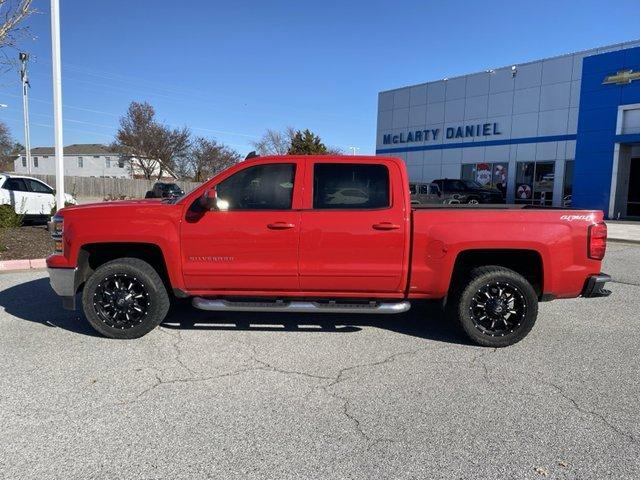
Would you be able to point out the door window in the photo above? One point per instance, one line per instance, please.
(350, 186)
(453, 186)
(262, 187)
(15, 184)
(38, 187)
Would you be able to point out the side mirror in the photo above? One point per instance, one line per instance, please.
(211, 202)
(208, 199)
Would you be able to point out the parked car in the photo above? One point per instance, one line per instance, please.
(428, 193)
(29, 197)
(269, 235)
(164, 190)
(468, 191)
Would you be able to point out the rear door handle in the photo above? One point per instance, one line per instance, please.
(386, 226)
(280, 226)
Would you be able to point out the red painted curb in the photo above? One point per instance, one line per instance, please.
(13, 265)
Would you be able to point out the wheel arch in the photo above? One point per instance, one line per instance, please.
(93, 255)
(526, 262)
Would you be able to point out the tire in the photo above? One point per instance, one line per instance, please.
(125, 298)
(508, 316)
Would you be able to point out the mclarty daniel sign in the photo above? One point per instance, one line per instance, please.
(434, 134)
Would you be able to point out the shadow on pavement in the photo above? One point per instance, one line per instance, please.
(34, 301)
(424, 320)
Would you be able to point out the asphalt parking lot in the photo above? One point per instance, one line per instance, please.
(273, 396)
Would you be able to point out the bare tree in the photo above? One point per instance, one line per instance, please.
(171, 146)
(152, 147)
(208, 158)
(6, 147)
(274, 142)
(12, 13)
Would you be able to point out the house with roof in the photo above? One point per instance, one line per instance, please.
(85, 160)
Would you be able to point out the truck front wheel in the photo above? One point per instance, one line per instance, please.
(497, 306)
(125, 298)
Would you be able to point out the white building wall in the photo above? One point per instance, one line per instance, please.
(92, 166)
(540, 100)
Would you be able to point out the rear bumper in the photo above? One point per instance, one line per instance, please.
(593, 287)
(63, 282)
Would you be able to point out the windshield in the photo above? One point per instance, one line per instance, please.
(472, 184)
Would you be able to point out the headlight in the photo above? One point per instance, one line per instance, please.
(56, 229)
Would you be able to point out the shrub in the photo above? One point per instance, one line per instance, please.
(9, 218)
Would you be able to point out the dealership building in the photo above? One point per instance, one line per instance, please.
(559, 131)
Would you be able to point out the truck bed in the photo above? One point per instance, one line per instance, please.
(485, 206)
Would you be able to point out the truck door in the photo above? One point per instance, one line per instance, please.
(251, 241)
(354, 228)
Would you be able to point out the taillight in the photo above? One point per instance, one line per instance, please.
(597, 241)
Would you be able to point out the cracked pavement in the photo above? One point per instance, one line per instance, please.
(239, 395)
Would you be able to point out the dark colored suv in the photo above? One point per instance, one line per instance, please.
(164, 190)
(468, 191)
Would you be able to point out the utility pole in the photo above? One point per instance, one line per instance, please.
(24, 57)
(57, 102)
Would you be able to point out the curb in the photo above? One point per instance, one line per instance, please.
(16, 265)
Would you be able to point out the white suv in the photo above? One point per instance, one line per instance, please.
(28, 196)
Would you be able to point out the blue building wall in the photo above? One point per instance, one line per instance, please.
(596, 136)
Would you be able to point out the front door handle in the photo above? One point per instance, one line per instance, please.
(386, 226)
(280, 226)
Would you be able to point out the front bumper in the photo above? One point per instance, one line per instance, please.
(63, 282)
(593, 287)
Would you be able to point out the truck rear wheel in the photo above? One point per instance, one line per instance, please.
(125, 298)
(497, 307)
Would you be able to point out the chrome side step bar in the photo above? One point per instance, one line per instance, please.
(218, 305)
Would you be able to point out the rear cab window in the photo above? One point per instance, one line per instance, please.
(349, 186)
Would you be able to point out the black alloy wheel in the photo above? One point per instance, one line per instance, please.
(125, 298)
(494, 307)
(121, 301)
(498, 308)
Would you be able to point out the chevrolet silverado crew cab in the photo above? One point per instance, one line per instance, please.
(322, 234)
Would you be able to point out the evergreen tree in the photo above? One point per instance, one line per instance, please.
(306, 143)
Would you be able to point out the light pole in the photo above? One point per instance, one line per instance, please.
(353, 150)
(57, 102)
(24, 57)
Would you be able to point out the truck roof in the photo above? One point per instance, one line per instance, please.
(340, 158)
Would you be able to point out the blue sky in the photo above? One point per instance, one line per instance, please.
(229, 70)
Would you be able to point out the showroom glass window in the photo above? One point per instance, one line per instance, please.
(567, 189)
(350, 186)
(489, 175)
(534, 183)
(262, 187)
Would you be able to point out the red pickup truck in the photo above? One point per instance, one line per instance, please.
(322, 234)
